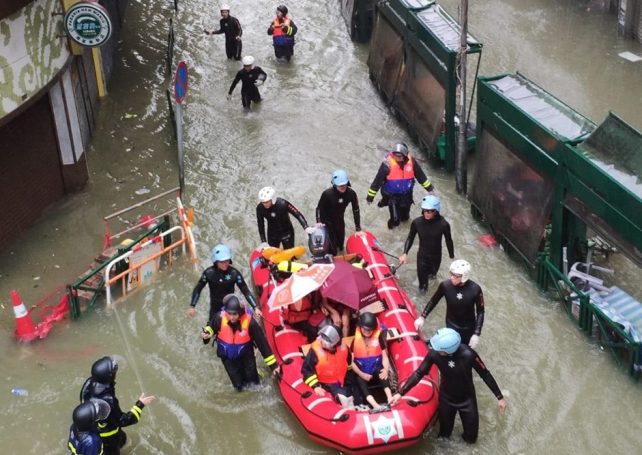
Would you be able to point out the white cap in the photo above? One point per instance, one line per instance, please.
(248, 60)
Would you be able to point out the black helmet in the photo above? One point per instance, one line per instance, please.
(283, 9)
(85, 415)
(319, 242)
(368, 321)
(104, 370)
(232, 304)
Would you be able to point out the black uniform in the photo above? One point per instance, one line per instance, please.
(456, 391)
(231, 27)
(398, 204)
(110, 429)
(221, 283)
(84, 442)
(429, 255)
(249, 90)
(465, 307)
(331, 210)
(242, 370)
(279, 226)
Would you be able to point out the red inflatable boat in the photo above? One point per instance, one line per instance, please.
(355, 431)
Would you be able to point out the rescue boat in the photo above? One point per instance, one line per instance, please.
(326, 422)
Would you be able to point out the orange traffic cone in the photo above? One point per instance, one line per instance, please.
(25, 328)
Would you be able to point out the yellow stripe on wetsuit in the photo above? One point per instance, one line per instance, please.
(270, 360)
(312, 380)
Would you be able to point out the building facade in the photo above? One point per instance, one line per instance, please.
(49, 94)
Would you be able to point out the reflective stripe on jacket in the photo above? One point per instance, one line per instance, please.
(400, 180)
(331, 366)
(230, 343)
(367, 352)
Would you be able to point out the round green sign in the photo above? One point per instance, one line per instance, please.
(88, 24)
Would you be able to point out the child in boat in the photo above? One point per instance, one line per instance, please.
(326, 365)
(370, 358)
(338, 314)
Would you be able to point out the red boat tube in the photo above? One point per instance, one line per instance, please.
(352, 431)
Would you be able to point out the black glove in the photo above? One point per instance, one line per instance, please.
(430, 188)
(369, 199)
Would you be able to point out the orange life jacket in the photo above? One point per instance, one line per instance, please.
(279, 37)
(367, 352)
(331, 366)
(400, 180)
(294, 315)
(231, 344)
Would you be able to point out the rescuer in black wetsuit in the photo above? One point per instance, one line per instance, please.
(221, 278)
(236, 334)
(332, 206)
(465, 304)
(231, 27)
(102, 385)
(455, 362)
(431, 227)
(250, 77)
(397, 175)
(276, 211)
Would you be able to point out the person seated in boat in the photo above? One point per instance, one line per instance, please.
(236, 332)
(370, 362)
(305, 316)
(338, 313)
(326, 365)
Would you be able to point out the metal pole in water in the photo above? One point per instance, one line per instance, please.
(181, 152)
(461, 177)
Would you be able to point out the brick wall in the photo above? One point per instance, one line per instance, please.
(30, 175)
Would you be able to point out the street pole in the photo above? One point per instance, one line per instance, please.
(461, 177)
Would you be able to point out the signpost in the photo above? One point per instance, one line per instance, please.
(180, 90)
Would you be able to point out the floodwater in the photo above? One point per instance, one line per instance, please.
(319, 113)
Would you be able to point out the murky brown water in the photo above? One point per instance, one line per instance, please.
(321, 112)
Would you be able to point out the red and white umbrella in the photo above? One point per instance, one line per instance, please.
(299, 285)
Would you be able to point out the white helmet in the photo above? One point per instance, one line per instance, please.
(225, 7)
(248, 60)
(267, 194)
(461, 267)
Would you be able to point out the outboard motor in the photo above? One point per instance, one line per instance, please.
(319, 244)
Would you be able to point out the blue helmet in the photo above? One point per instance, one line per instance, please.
(446, 340)
(221, 253)
(340, 177)
(431, 202)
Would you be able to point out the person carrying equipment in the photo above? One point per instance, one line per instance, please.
(83, 433)
(276, 211)
(236, 334)
(370, 361)
(431, 227)
(282, 30)
(455, 362)
(251, 77)
(221, 278)
(397, 174)
(332, 206)
(231, 27)
(102, 385)
(326, 365)
(465, 304)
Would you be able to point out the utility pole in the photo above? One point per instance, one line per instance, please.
(461, 172)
